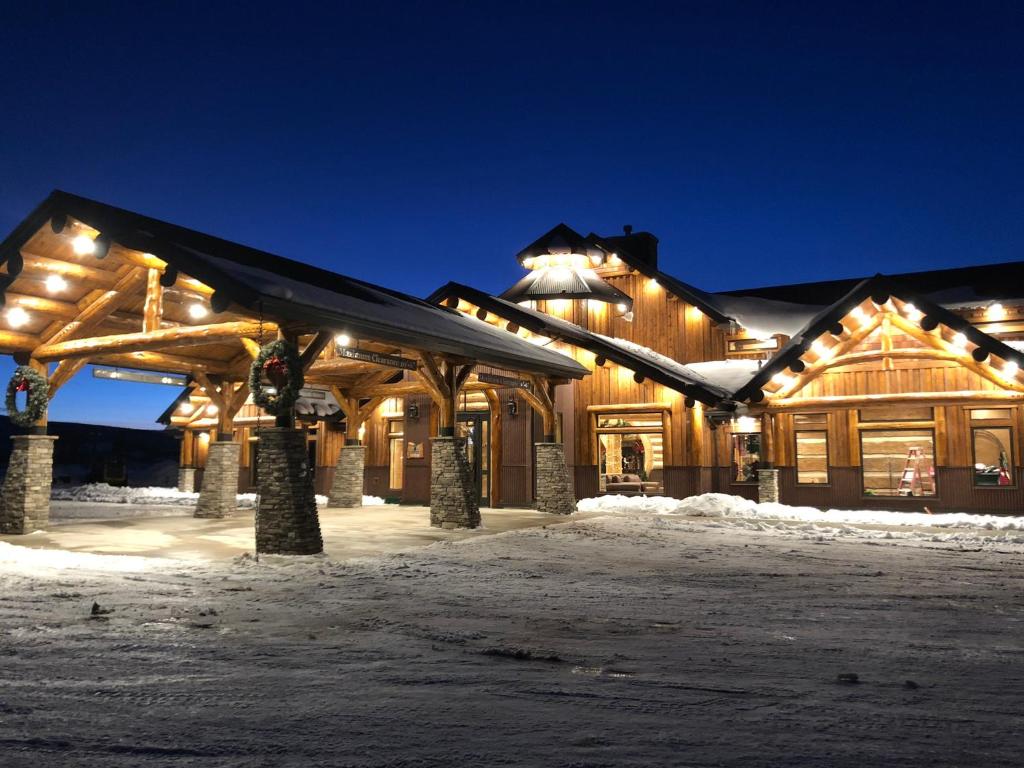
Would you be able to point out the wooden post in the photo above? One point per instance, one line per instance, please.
(153, 309)
(497, 422)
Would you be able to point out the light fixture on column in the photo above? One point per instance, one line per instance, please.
(413, 412)
(512, 405)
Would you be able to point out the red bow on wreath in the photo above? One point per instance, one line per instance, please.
(22, 386)
(276, 371)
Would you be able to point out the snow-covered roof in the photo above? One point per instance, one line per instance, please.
(655, 366)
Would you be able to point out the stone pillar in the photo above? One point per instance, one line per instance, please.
(554, 487)
(217, 498)
(453, 499)
(187, 479)
(767, 485)
(347, 488)
(287, 522)
(26, 492)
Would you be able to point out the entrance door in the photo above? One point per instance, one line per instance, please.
(474, 430)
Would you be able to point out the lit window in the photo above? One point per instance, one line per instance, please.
(993, 456)
(898, 462)
(631, 448)
(746, 456)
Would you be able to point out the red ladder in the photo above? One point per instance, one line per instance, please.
(912, 478)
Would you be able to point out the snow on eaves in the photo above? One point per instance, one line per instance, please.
(375, 310)
(766, 317)
(724, 375)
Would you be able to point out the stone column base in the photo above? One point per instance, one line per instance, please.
(220, 481)
(26, 492)
(347, 488)
(187, 479)
(554, 488)
(767, 485)
(453, 499)
(287, 522)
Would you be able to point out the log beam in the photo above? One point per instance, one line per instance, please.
(147, 341)
(153, 309)
(93, 315)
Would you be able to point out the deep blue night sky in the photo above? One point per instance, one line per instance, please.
(413, 143)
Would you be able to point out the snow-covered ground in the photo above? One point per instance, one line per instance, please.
(79, 499)
(629, 639)
(782, 519)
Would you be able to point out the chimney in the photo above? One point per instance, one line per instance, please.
(627, 229)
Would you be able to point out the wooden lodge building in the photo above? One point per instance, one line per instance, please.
(596, 373)
(900, 392)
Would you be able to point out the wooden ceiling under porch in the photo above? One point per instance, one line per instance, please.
(81, 290)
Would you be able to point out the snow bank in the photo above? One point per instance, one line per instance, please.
(110, 494)
(724, 505)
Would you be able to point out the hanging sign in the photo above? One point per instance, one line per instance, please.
(139, 377)
(502, 381)
(391, 361)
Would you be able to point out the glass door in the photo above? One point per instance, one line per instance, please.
(473, 429)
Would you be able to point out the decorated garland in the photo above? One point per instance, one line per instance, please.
(37, 390)
(279, 363)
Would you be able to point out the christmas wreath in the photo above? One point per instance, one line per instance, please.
(278, 362)
(37, 393)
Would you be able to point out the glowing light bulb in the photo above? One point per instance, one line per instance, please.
(1010, 369)
(55, 283)
(17, 317)
(912, 312)
(83, 245)
(211, 410)
(342, 339)
(960, 340)
(204, 437)
(620, 307)
(186, 408)
(996, 311)
(782, 379)
(822, 351)
(197, 311)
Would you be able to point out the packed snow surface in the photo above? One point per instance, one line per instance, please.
(727, 506)
(627, 640)
(111, 494)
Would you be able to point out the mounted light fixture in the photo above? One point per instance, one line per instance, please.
(197, 311)
(995, 311)
(512, 405)
(83, 245)
(55, 283)
(211, 410)
(960, 340)
(186, 408)
(342, 339)
(17, 317)
(412, 412)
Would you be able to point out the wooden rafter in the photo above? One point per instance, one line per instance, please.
(314, 348)
(95, 312)
(153, 309)
(63, 373)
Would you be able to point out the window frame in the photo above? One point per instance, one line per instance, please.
(974, 454)
(392, 438)
(611, 412)
(733, 467)
(828, 456)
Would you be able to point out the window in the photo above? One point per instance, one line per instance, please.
(812, 457)
(993, 465)
(396, 452)
(898, 462)
(746, 457)
(631, 452)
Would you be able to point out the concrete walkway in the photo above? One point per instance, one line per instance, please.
(361, 532)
